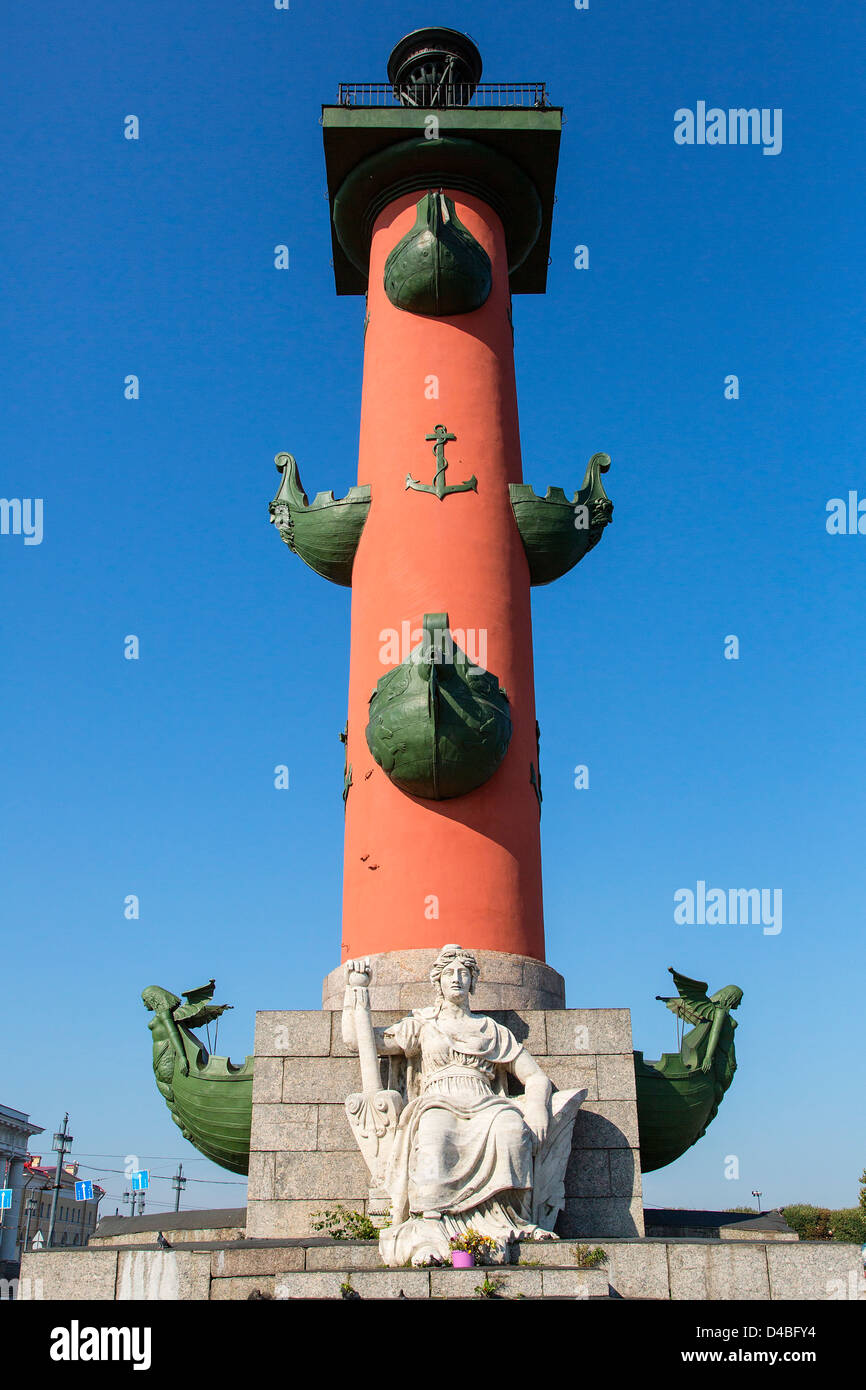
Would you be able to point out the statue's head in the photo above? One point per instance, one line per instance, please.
(455, 972)
(730, 997)
(156, 998)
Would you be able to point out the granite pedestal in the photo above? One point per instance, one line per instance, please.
(304, 1158)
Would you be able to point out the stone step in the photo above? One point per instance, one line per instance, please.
(318, 1269)
(504, 1281)
(322, 1256)
(636, 1269)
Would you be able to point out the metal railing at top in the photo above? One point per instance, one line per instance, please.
(449, 94)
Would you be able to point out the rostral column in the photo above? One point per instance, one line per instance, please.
(441, 197)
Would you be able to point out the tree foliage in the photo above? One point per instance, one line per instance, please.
(821, 1223)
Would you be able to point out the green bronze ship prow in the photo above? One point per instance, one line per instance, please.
(439, 725)
(557, 533)
(438, 268)
(210, 1098)
(678, 1096)
(324, 532)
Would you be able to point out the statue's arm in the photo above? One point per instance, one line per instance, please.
(715, 1032)
(350, 1032)
(166, 1018)
(385, 1046)
(538, 1090)
(356, 1010)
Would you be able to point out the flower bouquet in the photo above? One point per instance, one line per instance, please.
(470, 1248)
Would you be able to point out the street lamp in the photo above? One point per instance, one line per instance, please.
(178, 1182)
(31, 1206)
(133, 1197)
(62, 1142)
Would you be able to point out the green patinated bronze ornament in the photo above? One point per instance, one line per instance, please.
(438, 487)
(439, 726)
(556, 533)
(364, 177)
(438, 268)
(678, 1096)
(535, 777)
(347, 766)
(535, 783)
(326, 532)
(210, 1098)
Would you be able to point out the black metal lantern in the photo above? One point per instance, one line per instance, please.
(434, 67)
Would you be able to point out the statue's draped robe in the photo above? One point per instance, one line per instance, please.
(462, 1142)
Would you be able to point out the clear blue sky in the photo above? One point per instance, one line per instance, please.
(155, 777)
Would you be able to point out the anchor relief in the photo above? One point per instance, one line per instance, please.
(442, 437)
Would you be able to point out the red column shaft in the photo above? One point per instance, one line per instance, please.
(420, 872)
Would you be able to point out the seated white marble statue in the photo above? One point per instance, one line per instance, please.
(452, 1148)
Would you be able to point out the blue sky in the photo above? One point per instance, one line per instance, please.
(155, 777)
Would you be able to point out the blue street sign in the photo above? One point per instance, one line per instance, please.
(84, 1191)
(141, 1180)
(5, 1198)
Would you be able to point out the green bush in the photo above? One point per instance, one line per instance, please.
(490, 1286)
(849, 1224)
(585, 1258)
(820, 1223)
(810, 1223)
(341, 1224)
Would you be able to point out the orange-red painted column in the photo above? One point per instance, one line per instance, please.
(420, 872)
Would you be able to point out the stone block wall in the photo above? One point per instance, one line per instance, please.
(303, 1156)
(401, 980)
(681, 1270)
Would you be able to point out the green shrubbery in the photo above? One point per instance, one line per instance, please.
(849, 1224)
(341, 1224)
(585, 1258)
(821, 1223)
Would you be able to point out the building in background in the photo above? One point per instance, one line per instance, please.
(15, 1132)
(75, 1221)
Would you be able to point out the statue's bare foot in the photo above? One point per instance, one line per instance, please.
(540, 1234)
(427, 1242)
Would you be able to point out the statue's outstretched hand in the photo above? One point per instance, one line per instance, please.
(538, 1120)
(358, 976)
(358, 973)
